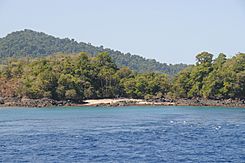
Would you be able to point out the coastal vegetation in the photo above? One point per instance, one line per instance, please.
(218, 78)
(79, 77)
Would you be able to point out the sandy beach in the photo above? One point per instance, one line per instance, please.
(121, 101)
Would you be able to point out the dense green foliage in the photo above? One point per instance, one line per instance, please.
(111, 74)
(78, 77)
(29, 43)
(220, 78)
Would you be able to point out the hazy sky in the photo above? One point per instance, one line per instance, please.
(170, 31)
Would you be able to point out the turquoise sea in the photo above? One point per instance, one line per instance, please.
(122, 134)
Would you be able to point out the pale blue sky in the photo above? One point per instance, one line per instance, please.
(170, 31)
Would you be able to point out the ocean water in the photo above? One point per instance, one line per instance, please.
(122, 134)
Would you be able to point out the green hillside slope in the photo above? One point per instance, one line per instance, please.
(28, 43)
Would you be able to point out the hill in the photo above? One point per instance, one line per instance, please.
(28, 43)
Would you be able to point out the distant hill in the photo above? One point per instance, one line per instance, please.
(28, 43)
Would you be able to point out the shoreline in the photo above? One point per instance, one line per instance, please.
(116, 102)
(179, 102)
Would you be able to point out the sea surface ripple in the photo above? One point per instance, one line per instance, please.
(122, 134)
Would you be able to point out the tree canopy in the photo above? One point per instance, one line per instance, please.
(219, 78)
(79, 77)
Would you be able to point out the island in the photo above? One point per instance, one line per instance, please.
(32, 75)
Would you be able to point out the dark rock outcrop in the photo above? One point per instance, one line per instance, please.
(1, 100)
(209, 102)
(25, 102)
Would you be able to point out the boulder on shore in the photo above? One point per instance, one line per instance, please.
(1, 100)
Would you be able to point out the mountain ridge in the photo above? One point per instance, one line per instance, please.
(30, 43)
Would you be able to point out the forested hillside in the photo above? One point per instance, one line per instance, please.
(28, 43)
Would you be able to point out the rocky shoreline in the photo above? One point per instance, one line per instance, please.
(208, 102)
(45, 102)
(24, 102)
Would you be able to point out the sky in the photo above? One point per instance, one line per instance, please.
(170, 31)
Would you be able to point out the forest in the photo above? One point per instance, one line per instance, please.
(29, 43)
(82, 76)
